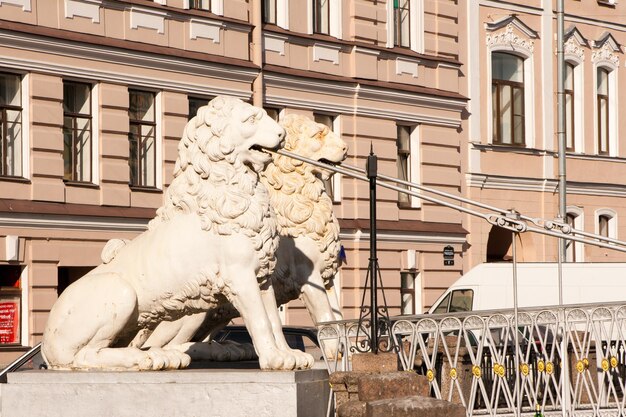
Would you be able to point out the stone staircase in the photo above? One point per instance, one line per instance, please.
(375, 388)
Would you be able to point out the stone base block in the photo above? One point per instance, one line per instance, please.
(375, 387)
(188, 393)
(413, 406)
(379, 362)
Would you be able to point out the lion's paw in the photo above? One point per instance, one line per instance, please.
(276, 359)
(157, 359)
(288, 359)
(303, 359)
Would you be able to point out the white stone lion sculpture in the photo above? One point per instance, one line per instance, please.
(307, 255)
(210, 245)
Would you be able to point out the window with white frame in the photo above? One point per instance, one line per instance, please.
(213, 6)
(333, 184)
(77, 132)
(410, 304)
(574, 251)
(11, 126)
(269, 11)
(574, 103)
(411, 293)
(602, 110)
(606, 223)
(325, 17)
(407, 162)
(507, 99)
(402, 23)
(511, 49)
(321, 16)
(142, 138)
(276, 12)
(569, 107)
(406, 24)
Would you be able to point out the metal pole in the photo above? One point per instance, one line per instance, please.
(518, 404)
(560, 71)
(372, 169)
(560, 35)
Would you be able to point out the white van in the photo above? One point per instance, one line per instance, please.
(489, 286)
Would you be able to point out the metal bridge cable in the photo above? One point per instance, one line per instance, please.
(537, 221)
(495, 219)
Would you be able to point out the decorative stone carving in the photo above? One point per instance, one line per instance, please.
(211, 245)
(605, 53)
(307, 255)
(508, 38)
(572, 48)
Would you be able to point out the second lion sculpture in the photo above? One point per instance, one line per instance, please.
(307, 255)
(212, 244)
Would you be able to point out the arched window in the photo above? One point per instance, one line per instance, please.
(602, 98)
(575, 251)
(570, 245)
(603, 225)
(507, 89)
(569, 107)
(606, 223)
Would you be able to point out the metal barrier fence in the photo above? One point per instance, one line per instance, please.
(470, 358)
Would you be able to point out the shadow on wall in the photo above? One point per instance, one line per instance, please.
(499, 247)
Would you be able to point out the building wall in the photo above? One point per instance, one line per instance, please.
(526, 178)
(356, 75)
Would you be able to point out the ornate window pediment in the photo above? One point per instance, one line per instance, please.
(511, 33)
(574, 43)
(606, 49)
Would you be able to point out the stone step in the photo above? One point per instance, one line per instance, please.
(412, 407)
(392, 385)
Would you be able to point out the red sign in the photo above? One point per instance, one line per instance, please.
(9, 322)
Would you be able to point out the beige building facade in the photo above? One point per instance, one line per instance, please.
(511, 154)
(95, 94)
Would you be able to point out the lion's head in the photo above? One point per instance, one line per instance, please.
(314, 141)
(216, 173)
(296, 188)
(228, 128)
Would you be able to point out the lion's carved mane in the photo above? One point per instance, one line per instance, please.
(210, 182)
(300, 200)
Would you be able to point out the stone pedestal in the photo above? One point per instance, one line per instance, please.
(188, 393)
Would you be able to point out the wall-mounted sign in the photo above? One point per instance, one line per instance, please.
(9, 322)
(448, 256)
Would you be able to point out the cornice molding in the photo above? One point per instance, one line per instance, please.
(413, 99)
(510, 22)
(51, 221)
(123, 57)
(399, 237)
(543, 185)
(356, 91)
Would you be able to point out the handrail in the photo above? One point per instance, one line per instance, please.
(19, 362)
(506, 219)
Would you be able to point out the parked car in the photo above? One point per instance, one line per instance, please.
(301, 338)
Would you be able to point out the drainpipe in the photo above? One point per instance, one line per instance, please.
(560, 71)
(257, 52)
(560, 77)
